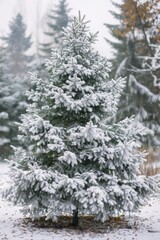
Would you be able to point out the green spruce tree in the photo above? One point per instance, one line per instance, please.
(74, 159)
(119, 42)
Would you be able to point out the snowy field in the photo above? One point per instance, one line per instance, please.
(12, 226)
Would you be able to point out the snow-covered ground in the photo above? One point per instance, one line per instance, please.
(12, 226)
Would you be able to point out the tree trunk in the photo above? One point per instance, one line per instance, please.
(75, 218)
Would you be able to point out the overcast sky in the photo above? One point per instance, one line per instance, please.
(97, 11)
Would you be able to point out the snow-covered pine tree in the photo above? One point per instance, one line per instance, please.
(74, 159)
(14, 66)
(17, 44)
(4, 124)
(57, 19)
(12, 104)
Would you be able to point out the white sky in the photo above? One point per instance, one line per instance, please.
(97, 11)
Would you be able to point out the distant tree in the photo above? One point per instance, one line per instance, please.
(4, 118)
(17, 44)
(136, 33)
(57, 19)
(135, 21)
(119, 42)
(75, 159)
(12, 104)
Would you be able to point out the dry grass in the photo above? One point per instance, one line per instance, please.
(86, 223)
(152, 166)
(150, 170)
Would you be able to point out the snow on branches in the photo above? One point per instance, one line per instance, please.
(71, 159)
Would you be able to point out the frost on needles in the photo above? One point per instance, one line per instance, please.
(74, 158)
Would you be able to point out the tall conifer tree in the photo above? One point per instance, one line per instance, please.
(12, 104)
(74, 158)
(17, 44)
(137, 32)
(13, 80)
(119, 44)
(57, 20)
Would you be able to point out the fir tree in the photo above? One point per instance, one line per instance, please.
(12, 105)
(119, 42)
(57, 19)
(75, 159)
(4, 125)
(137, 31)
(17, 45)
(14, 66)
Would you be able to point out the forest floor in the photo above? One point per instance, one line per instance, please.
(144, 225)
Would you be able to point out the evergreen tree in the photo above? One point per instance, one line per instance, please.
(4, 125)
(135, 21)
(11, 106)
(119, 44)
(17, 45)
(137, 31)
(14, 66)
(57, 19)
(74, 158)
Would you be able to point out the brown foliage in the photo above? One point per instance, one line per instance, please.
(139, 17)
(152, 166)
